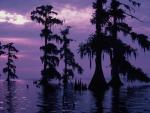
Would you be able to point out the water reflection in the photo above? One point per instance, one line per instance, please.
(60, 100)
(119, 100)
(10, 97)
(49, 101)
(112, 101)
(99, 98)
(68, 99)
(16, 98)
(139, 99)
(8, 100)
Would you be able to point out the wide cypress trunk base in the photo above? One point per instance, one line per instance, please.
(8, 80)
(44, 81)
(65, 80)
(115, 82)
(98, 84)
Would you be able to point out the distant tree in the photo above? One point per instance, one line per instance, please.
(95, 45)
(45, 16)
(10, 69)
(1, 51)
(68, 57)
(119, 55)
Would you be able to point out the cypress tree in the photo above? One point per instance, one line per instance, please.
(45, 16)
(10, 68)
(68, 56)
(119, 61)
(95, 45)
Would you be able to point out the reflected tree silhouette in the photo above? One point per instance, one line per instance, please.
(68, 104)
(99, 99)
(10, 94)
(119, 101)
(58, 100)
(49, 101)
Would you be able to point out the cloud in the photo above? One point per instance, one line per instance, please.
(13, 18)
(74, 16)
(25, 6)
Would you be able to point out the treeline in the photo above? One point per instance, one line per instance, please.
(109, 19)
(52, 55)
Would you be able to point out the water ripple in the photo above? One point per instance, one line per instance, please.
(16, 98)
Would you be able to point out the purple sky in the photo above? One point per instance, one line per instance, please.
(16, 26)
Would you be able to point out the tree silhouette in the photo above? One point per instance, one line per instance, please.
(96, 44)
(10, 68)
(106, 39)
(1, 49)
(46, 16)
(119, 55)
(68, 57)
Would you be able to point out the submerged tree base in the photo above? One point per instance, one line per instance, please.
(98, 84)
(8, 80)
(115, 83)
(98, 87)
(80, 86)
(43, 81)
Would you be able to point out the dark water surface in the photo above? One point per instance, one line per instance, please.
(17, 98)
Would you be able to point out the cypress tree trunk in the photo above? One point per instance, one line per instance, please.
(115, 81)
(65, 76)
(44, 74)
(65, 79)
(98, 82)
(8, 76)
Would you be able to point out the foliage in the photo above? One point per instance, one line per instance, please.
(95, 45)
(67, 55)
(10, 68)
(109, 22)
(118, 14)
(47, 17)
(1, 49)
